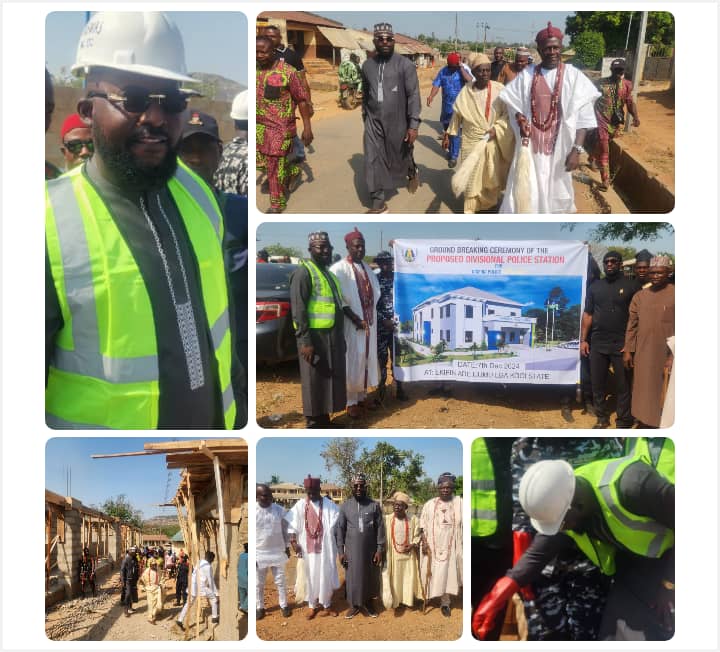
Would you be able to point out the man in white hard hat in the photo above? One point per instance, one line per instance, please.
(232, 173)
(621, 514)
(137, 326)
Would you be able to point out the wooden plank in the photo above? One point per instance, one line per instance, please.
(100, 456)
(222, 550)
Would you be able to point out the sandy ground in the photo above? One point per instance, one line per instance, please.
(333, 169)
(103, 618)
(406, 624)
(465, 405)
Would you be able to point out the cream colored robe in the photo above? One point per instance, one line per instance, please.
(153, 584)
(442, 525)
(485, 163)
(400, 578)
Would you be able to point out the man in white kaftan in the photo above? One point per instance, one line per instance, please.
(272, 550)
(203, 584)
(442, 542)
(310, 524)
(361, 291)
(551, 106)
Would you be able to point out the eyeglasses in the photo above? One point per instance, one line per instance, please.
(138, 100)
(611, 261)
(385, 39)
(76, 146)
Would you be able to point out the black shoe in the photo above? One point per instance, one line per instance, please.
(285, 611)
(179, 624)
(215, 620)
(352, 612)
(445, 611)
(370, 611)
(259, 614)
(452, 162)
(601, 424)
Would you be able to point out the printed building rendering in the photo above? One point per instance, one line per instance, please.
(468, 315)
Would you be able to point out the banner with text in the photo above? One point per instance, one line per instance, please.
(489, 311)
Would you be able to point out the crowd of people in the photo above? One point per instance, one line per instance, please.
(514, 131)
(396, 558)
(346, 332)
(580, 530)
(146, 242)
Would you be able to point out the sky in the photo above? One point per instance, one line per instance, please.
(145, 480)
(378, 234)
(505, 26)
(293, 458)
(215, 42)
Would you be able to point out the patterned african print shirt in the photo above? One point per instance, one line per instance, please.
(278, 90)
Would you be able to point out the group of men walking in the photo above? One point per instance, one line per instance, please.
(395, 557)
(344, 325)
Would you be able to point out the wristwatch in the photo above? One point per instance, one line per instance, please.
(579, 149)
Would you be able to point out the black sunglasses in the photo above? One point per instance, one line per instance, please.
(138, 100)
(76, 146)
(385, 39)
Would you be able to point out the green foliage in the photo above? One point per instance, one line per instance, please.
(341, 455)
(120, 507)
(626, 231)
(613, 25)
(589, 49)
(275, 479)
(281, 250)
(170, 530)
(438, 350)
(389, 469)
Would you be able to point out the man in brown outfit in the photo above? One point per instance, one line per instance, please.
(651, 322)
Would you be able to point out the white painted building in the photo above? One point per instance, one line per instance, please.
(469, 315)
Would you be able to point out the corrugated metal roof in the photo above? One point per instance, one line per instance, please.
(339, 38)
(301, 17)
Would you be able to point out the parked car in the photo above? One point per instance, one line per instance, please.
(274, 332)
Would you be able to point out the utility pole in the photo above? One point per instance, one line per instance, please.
(627, 38)
(485, 27)
(456, 31)
(477, 35)
(638, 64)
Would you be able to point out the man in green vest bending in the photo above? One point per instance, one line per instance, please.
(621, 514)
(318, 310)
(137, 321)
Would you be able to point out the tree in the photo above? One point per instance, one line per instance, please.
(170, 530)
(627, 231)
(121, 508)
(589, 49)
(281, 250)
(613, 25)
(275, 479)
(341, 454)
(389, 469)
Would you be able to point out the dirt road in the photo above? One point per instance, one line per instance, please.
(404, 625)
(464, 405)
(333, 182)
(103, 618)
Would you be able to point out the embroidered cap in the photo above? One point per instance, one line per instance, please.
(383, 28)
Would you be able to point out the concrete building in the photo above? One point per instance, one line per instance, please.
(468, 316)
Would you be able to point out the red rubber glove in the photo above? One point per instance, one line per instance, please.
(521, 542)
(491, 605)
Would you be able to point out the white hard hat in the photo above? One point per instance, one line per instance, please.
(239, 110)
(546, 491)
(146, 43)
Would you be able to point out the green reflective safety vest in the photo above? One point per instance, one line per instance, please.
(321, 306)
(483, 493)
(104, 372)
(639, 534)
(658, 452)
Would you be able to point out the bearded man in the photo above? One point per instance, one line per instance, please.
(137, 328)
(551, 108)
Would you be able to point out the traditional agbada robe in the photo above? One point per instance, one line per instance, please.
(441, 522)
(400, 578)
(391, 106)
(650, 323)
(359, 534)
(550, 185)
(485, 163)
(319, 552)
(361, 347)
(151, 579)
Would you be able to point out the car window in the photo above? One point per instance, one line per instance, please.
(273, 276)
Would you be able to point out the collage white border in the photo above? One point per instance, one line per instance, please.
(695, 432)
